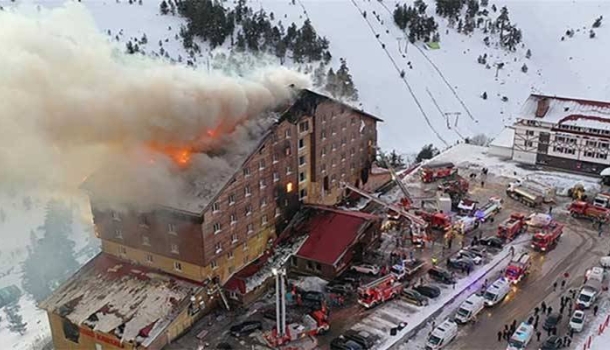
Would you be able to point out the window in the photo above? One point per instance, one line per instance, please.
(302, 177)
(218, 247)
(250, 228)
(116, 216)
(288, 151)
(248, 210)
(122, 251)
(602, 156)
(248, 190)
(304, 126)
(233, 238)
(230, 255)
(353, 136)
(343, 157)
(352, 151)
(324, 119)
(98, 346)
(333, 163)
(333, 131)
(171, 228)
(323, 168)
(231, 199)
(323, 134)
(352, 121)
(216, 207)
(287, 133)
(288, 170)
(333, 146)
(343, 141)
(261, 164)
(217, 228)
(174, 248)
(278, 212)
(301, 143)
(303, 194)
(145, 240)
(149, 258)
(276, 177)
(143, 220)
(246, 172)
(603, 145)
(301, 160)
(529, 133)
(118, 233)
(590, 154)
(289, 187)
(233, 219)
(343, 126)
(591, 144)
(318, 267)
(214, 264)
(529, 143)
(262, 183)
(263, 202)
(323, 151)
(231, 269)
(246, 246)
(177, 266)
(326, 183)
(264, 220)
(275, 158)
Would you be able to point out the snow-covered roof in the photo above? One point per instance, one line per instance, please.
(108, 294)
(559, 108)
(504, 139)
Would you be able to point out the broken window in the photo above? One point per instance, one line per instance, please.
(304, 126)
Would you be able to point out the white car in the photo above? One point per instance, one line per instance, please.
(476, 258)
(366, 268)
(577, 321)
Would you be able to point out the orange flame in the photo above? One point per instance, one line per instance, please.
(181, 155)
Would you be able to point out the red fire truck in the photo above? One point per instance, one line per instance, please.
(313, 324)
(379, 291)
(435, 220)
(512, 227)
(580, 209)
(433, 171)
(546, 239)
(519, 268)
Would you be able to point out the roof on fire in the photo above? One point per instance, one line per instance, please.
(112, 296)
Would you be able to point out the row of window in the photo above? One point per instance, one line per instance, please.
(217, 227)
(583, 129)
(565, 150)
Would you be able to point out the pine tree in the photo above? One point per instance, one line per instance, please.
(345, 84)
(130, 49)
(484, 3)
(473, 8)
(598, 22)
(591, 34)
(144, 39)
(528, 54)
(164, 8)
(502, 21)
(331, 82)
(16, 324)
(524, 68)
(140, 2)
(484, 96)
(319, 75)
(427, 152)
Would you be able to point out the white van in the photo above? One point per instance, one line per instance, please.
(589, 292)
(469, 309)
(595, 273)
(441, 335)
(521, 338)
(496, 292)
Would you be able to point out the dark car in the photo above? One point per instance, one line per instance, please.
(413, 297)
(460, 262)
(493, 242)
(312, 299)
(350, 277)
(428, 291)
(342, 343)
(363, 338)
(551, 343)
(552, 321)
(339, 288)
(441, 275)
(224, 346)
(246, 328)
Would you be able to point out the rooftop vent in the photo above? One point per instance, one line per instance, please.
(543, 107)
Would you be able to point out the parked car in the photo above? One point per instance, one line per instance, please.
(339, 288)
(577, 321)
(478, 250)
(493, 242)
(367, 269)
(350, 277)
(246, 328)
(428, 291)
(312, 299)
(552, 321)
(459, 262)
(342, 343)
(413, 297)
(551, 343)
(224, 346)
(477, 259)
(441, 275)
(363, 338)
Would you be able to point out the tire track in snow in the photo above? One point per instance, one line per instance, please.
(419, 106)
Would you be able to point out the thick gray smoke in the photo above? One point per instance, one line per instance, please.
(70, 100)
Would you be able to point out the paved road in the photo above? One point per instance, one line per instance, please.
(579, 249)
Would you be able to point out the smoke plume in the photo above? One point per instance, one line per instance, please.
(71, 101)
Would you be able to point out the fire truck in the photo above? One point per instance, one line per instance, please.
(546, 239)
(580, 209)
(379, 291)
(433, 171)
(512, 227)
(435, 220)
(489, 210)
(518, 269)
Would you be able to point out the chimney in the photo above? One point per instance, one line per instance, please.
(543, 107)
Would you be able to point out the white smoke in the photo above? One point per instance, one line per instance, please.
(70, 100)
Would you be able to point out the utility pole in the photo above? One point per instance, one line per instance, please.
(456, 114)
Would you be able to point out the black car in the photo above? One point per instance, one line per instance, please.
(552, 321)
(413, 297)
(363, 338)
(246, 328)
(493, 242)
(441, 275)
(428, 291)
(224, 346)
(460, 263)
(312, 299)
(552, 343)
(342, 343)
(339, 288)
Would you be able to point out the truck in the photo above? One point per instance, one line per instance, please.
(466, 207)
(407, 268)
(489, 210)
(434, 171)
(547, 238)
(585, 210)
(435, 220)
(512, 227)
(524, 195)
(588, 293)
(602, 200)
(518, 268)
(379, 291)
(546, 192)
(314, 324)
(465, 224)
